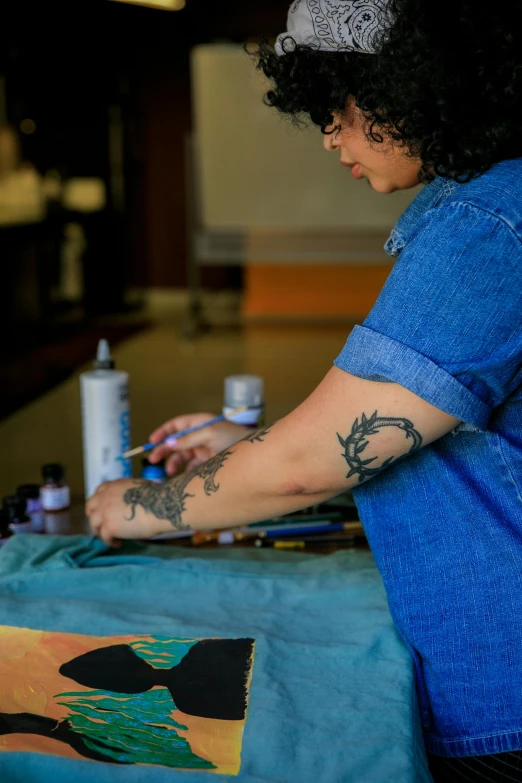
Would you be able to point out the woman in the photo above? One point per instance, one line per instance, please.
(421, 415)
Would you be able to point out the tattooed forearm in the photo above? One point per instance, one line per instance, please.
(355, 443)
(167, 501)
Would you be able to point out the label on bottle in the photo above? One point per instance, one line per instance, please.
(106, 427)
(55, 498)
(252, 417)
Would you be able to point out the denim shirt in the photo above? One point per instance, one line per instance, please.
(445, 525)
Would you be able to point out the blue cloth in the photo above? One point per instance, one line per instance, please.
(332, 695)
(445, 525)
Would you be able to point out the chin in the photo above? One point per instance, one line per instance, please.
(382, 187)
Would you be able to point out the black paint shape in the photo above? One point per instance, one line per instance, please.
(210, 680)
(28, 723)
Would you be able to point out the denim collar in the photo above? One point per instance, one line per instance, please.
(431, 196)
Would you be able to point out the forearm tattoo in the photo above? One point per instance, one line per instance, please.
(257, 435)
(355, 443)
(167, 501)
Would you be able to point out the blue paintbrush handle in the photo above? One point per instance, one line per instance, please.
(149, 446)
(188, 431)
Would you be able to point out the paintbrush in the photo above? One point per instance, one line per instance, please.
(150, 446)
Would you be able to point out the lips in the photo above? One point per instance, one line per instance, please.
(355, 167)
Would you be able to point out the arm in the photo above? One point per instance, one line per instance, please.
(345, 433)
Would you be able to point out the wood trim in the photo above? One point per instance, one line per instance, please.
(313, 291)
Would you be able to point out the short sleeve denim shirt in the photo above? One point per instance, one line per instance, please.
(445, 525)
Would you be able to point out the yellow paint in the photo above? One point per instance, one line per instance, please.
(29, 680)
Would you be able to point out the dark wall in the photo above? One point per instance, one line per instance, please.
(66, 65)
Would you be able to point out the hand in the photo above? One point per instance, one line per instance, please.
(192, 450)
(112, 519)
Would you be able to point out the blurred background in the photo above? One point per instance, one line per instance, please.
(148, 196)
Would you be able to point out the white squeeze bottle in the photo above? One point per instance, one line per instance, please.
(105, 421)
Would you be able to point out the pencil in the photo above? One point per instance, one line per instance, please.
(302, 543)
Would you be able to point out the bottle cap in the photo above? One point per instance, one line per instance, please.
(103, 360)
(28, 491)
(243, 390)
(53, 471)
(14, 508)
(153, 472)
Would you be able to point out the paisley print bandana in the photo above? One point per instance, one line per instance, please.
(335, 25)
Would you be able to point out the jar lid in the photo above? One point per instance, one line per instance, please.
(54, 471)
(15, 507)
(153, 472)
(243, 390)
(29, 491)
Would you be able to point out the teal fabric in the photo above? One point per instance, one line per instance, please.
(332, 695)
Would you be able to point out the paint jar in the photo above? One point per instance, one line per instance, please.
(155, 473)
(245, 390)
(55, 494)
(31, 493)
(15, 511)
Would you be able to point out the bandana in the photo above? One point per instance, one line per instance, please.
(335, 25)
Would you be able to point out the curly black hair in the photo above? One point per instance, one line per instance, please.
(446, 83)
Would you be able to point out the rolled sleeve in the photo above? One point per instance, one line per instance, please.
(374, 356)
(448, 322)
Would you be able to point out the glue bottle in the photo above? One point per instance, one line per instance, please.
(245, 390)
(105, 421)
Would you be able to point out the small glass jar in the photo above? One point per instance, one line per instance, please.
(18, 520)
(245, 390)
(55, 494)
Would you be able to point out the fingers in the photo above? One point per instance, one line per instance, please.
(195, 462)
(161, 432)
(159, 453)
(186, 443)
(179, 423)
(176, 461)
(95, 516)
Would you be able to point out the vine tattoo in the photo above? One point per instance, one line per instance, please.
(355, 443)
